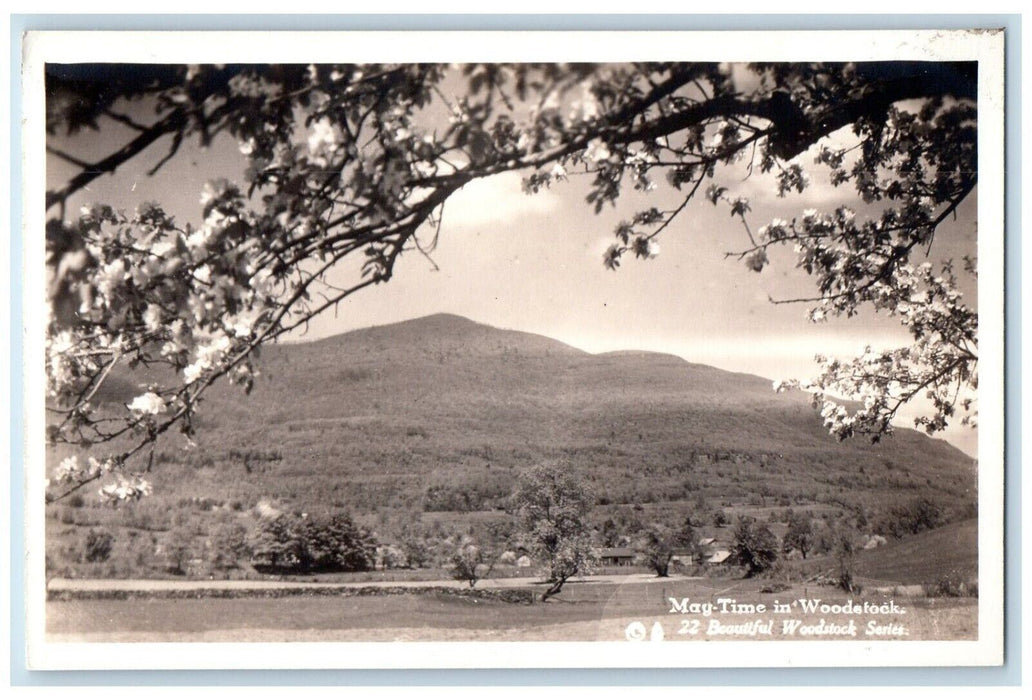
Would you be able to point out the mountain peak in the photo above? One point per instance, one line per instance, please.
(438, 321)
(444, 332)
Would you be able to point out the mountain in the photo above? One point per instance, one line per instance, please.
(441, 413)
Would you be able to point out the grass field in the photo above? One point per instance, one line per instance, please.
(584, 612)
(947, 552)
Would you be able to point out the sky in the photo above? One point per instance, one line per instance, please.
(534, 263)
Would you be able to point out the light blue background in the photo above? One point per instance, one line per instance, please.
(1009, 674)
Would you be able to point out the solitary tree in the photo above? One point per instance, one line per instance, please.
(610, 533)
(179, 548)
(660, 542)
(800, 535)
(755, 547)
(551, 506)
(470, 563)
(357, 162)
(845, 543)
(228, 546)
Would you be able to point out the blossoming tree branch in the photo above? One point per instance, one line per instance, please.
(358, 162)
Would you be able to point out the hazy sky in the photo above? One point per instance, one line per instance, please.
(534, 263)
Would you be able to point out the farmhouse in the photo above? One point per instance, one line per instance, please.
(616, 556)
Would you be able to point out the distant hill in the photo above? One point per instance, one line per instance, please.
(441, 413)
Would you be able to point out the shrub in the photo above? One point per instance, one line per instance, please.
(97, 546)
(951, 586)
(913, 517)
(178, 550)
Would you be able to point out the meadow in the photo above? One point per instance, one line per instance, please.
(583, 612)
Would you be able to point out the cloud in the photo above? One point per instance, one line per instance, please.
(497, 199)
(761, 188)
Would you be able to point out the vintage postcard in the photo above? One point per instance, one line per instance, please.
(558, 349)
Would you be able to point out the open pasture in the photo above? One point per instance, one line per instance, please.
(583, 612)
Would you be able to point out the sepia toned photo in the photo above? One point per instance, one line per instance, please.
(601, 357)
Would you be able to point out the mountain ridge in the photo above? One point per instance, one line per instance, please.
(425, 426)
(385, 415)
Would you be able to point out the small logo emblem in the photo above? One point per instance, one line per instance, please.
(635, 632)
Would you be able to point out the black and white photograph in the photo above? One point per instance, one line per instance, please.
(684, 338)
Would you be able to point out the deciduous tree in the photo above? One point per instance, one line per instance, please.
(755, 547)
(357, 162)
(551, 506)
(800, 535)
(470, 563)
(660, 542)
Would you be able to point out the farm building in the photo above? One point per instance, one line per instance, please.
(616, 556)
(875, 541)
(720, 556)
(684, 557)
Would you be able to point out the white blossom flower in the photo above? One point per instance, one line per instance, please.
(323, 136)
(212, 190)
(242, 325)
(586, 108)
(147, 404)
(67, 470)
(206, 356)
(198, 241)
(111, 277)
(264, 284)
(125, 489)
(152, 317)
(597, 151)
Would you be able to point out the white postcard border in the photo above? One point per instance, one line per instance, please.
(218, 47)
